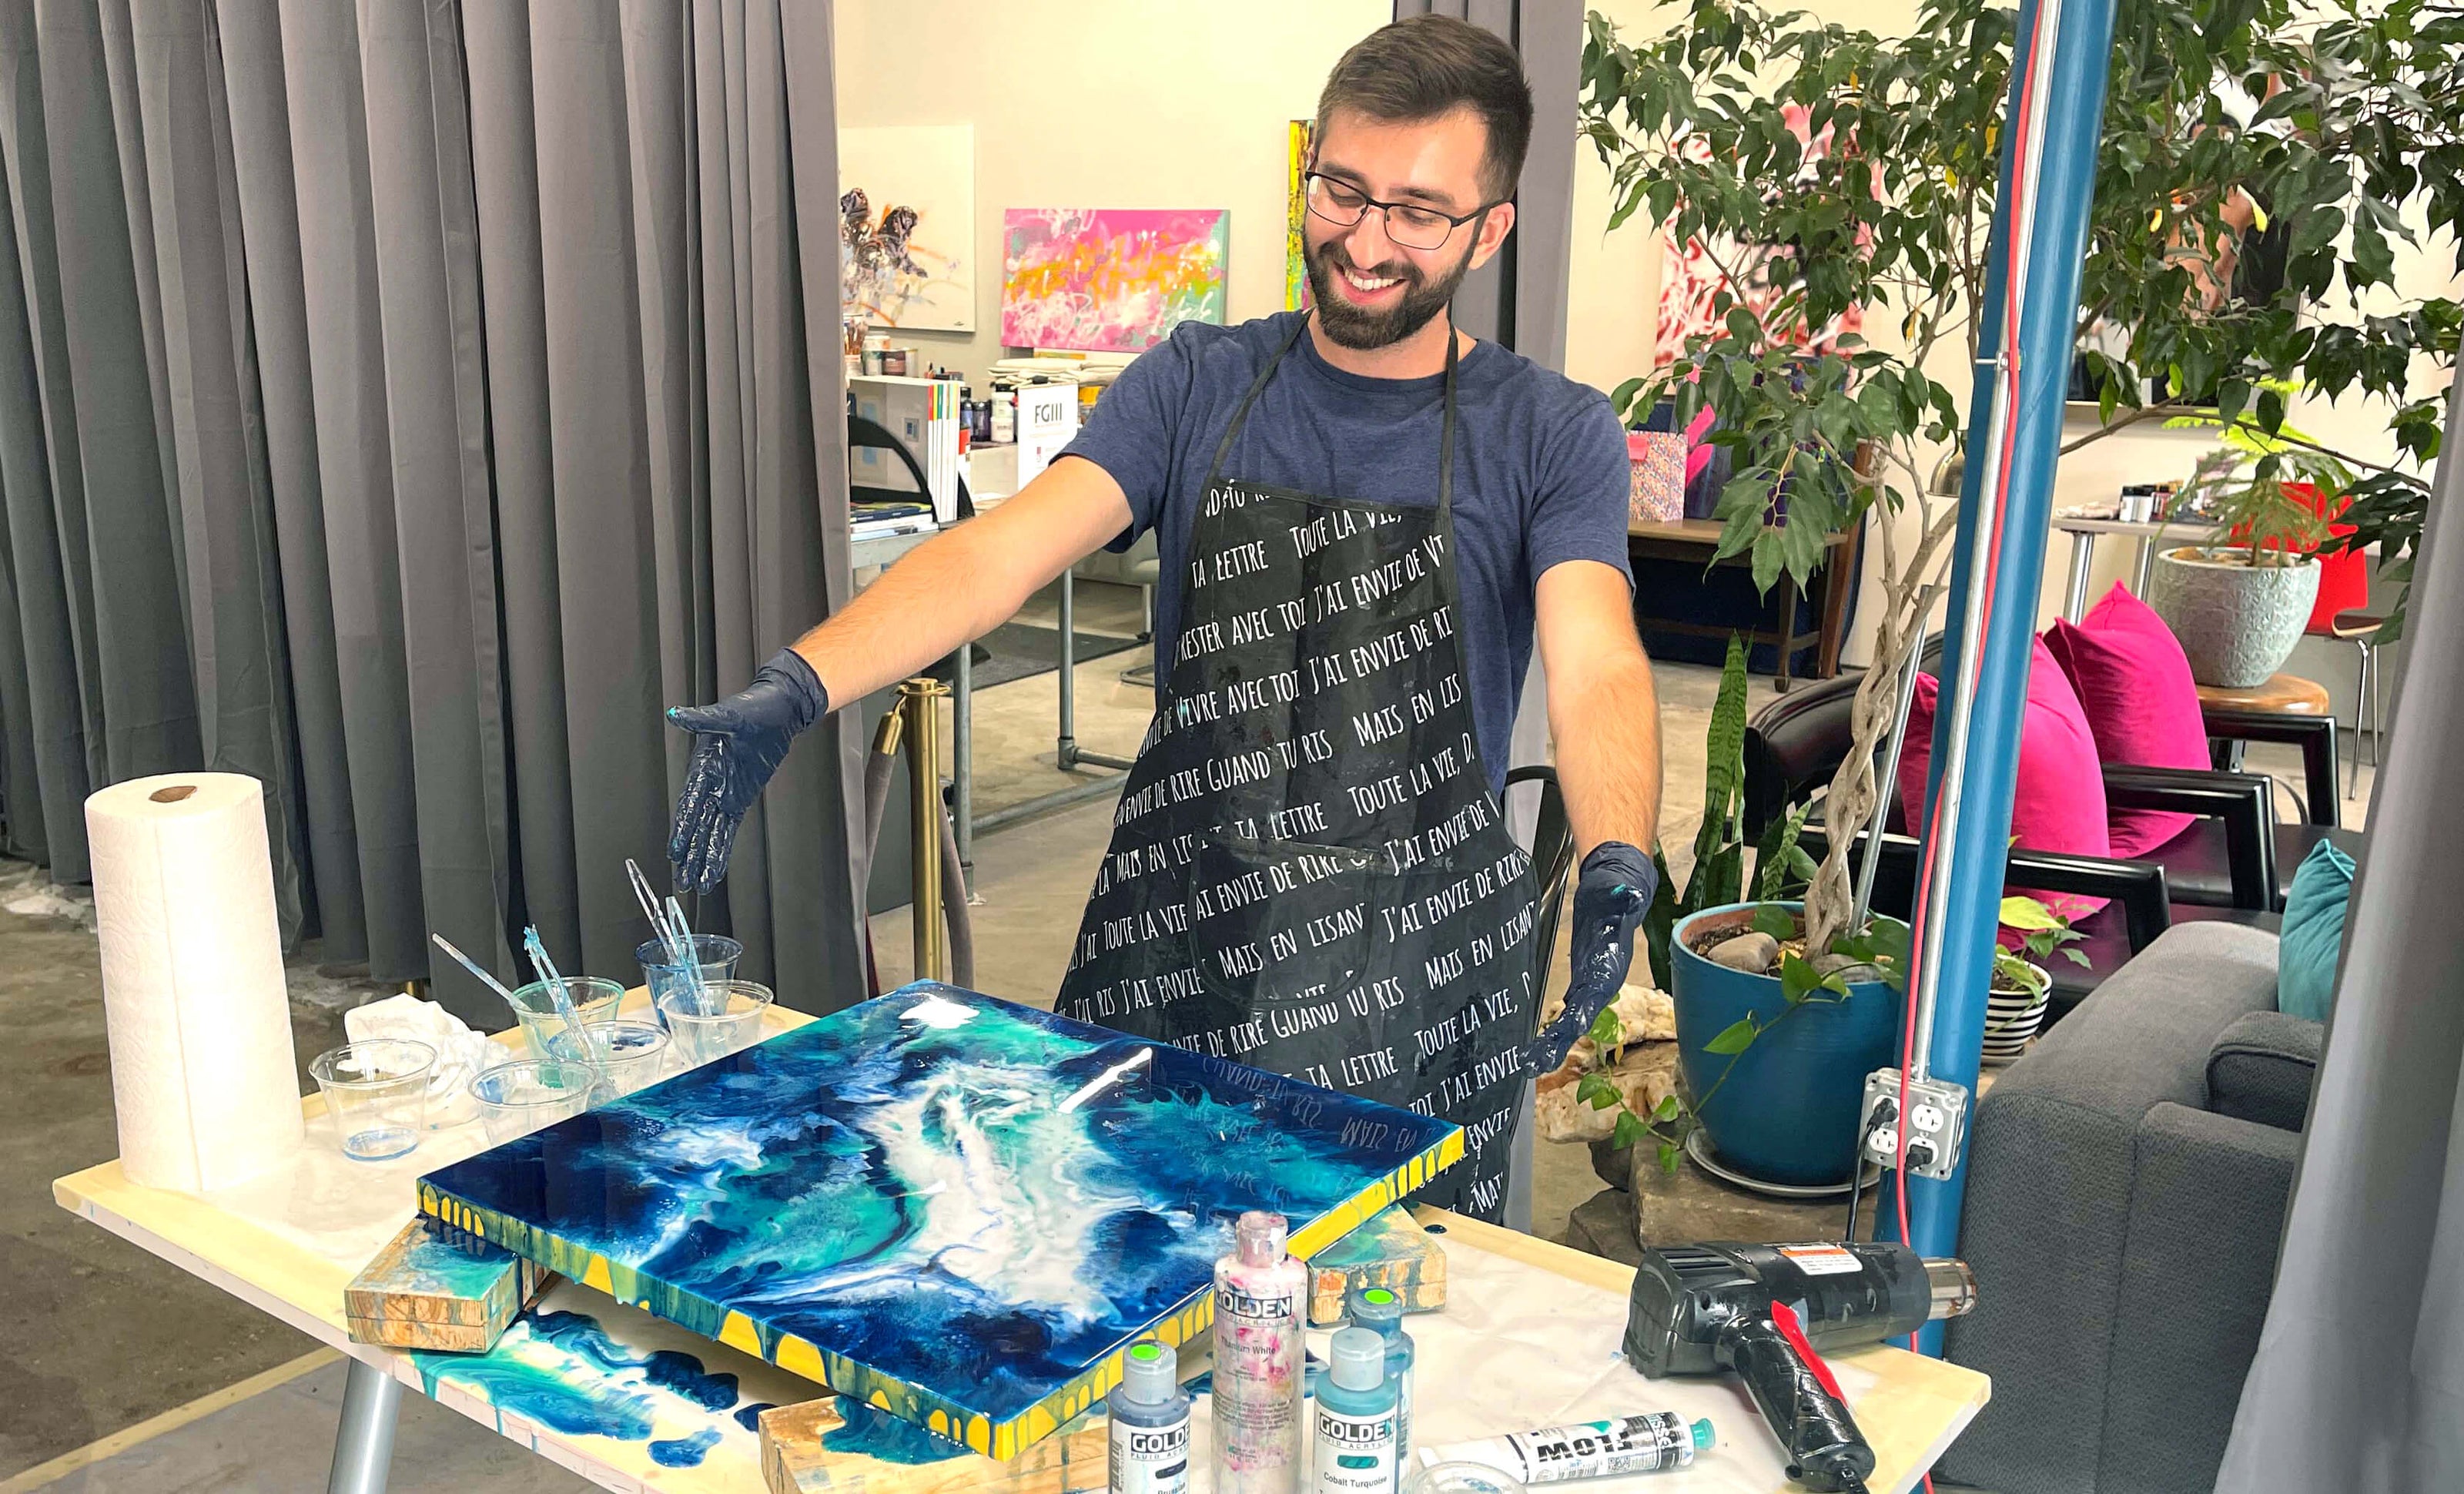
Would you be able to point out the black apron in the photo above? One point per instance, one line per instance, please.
(1308, 871)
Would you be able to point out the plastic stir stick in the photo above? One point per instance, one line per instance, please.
(557, 994)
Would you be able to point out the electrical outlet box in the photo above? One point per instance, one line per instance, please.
(1937, 1123)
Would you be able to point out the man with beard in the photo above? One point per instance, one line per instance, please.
(1365, 516)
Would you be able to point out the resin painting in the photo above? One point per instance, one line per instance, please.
(955, 1209)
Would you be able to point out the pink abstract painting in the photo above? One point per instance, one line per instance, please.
(1109, 280)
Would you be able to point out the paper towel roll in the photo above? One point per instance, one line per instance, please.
(202, 1074)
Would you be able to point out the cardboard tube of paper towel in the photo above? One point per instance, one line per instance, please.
(203, 1073)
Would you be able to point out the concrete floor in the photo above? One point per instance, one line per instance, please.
(96, 1336)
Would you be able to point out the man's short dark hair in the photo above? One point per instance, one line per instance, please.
(1429, 65)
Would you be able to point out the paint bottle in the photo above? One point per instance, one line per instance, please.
(1355, 1418)
(1261, 1298)
(1149, 1418)
(1381, 1312)
(1643, 1443)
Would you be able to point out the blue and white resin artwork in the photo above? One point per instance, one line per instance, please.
(955, 1209)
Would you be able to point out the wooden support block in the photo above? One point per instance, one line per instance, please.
(1390, 1251)
(875, 1456)
(435, 1286)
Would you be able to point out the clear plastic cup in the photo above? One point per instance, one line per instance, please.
(518, 1098)
(629, 1055)
(725, 1018)
(715, 953)
(377, 1093)
(594, 998)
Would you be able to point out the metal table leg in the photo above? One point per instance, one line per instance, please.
(2083, 556)
(963, 762)
(364, 1442)
(2147, 560)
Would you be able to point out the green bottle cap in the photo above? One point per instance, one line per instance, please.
(1703, 1436)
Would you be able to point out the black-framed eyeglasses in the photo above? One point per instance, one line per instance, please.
(1411, 225)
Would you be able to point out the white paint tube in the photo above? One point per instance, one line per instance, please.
(1644, 1443)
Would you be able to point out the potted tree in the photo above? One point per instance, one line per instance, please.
(1832, 183)
(2239, 598)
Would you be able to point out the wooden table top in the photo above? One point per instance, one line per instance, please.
(2283, 694)
(1910, 1407)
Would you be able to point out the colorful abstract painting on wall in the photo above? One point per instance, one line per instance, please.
(956, 1209)
(1693, 273)
(907, 226)
(1297, 137)
(1110, 280)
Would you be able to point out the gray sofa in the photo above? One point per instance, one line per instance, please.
(2127, 1191)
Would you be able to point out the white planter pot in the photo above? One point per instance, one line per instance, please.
(2236, 622)
(2013, 1018)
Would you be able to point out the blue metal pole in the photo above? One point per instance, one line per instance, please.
(2047, 218)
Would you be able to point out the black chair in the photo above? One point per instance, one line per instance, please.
(2138, 907)
(872, 434)
(1552, 854)
(2228, 856)
(2234, 854)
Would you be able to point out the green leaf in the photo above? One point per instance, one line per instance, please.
(1660, 921)
(1607, 1032)
(1735, 1038)
(2026, 913)
(1668, 1157)
(1796, 978)
(1628, 1131)
(1774, 920)
(1666, 1110)
(1597, 1090)
(2078, 959)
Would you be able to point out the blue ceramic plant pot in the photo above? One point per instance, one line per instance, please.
(1787, 1112)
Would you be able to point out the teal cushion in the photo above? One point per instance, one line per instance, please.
(2314, 932)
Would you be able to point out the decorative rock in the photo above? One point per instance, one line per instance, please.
(1647, 1015)
(1645, 1076)
(1848, 966)
(1751, 952)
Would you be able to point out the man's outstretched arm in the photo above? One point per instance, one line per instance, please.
(942, 594)
(1604, 717)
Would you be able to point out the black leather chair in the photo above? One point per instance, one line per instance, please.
(2230, 865)
(2234, 854)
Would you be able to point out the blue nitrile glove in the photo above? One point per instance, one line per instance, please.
(1611, 895)
(740, 742)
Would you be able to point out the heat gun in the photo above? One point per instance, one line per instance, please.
(1768, 1312)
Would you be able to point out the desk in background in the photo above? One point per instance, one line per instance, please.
(1698, 540)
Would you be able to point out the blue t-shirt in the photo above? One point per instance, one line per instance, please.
(1540, 472)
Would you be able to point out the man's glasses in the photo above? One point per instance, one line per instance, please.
(1408, 224)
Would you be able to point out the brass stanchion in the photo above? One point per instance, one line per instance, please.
(919, 701)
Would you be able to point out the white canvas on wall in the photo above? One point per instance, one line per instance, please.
(907, 226)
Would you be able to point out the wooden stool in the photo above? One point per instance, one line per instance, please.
(2283, 694)
(2360, 628)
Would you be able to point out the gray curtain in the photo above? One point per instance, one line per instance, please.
(2359, 1380)
(402, 403)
